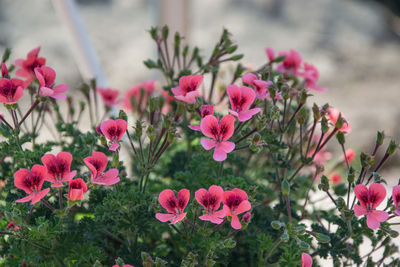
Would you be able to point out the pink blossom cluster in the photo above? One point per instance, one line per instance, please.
(234, 203)
(56, 169)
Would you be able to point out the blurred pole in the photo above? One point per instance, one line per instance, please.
(175, 14)
(84, 53)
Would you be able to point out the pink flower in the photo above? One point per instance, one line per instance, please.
(113, 130)
(334, 115)
(336, 178)
(31, 182)
(175, 206)
(13, 226)
(77, 188)
(205, 111)
(4, 70)
(187, 89)
(235, 202)
(58, 168)
(97, 163)
(109, 96)
(292, 62)
(11, 90)
(270, 54)
(147, 87)
(350, 155)
(396, 198)
(241, 98)
(311, 75)
(261, 87)
(211, 201)
(246, 217)
(370, 200)
(306, 260)
(219, 133)
(28, 65)
(46, 77)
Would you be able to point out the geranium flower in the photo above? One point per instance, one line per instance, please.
(350, 155)
(31, 182)
(246, 217)
(4, 70)
(220, 133)
(311, 75)
(97, 163)
(58, 168)
(147, 87)
(46, 77)
(261, 87)
(336, 178)
(292, 62)
(11, 90)
(306, 260)
(113, 130)
(174, 205)
(211, 201)
(109, 96)
(77, 188)
(13, 226)
(270, 54)
(241, 98)
(28, 65)
(205, 111)
(235, 202)
(396, 198)
(369, 200)
(334, 115)
(187, 89)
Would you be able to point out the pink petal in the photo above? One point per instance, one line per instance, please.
(241, 193)
(235, 223)
(248, 114)
(248, 95)
(306, 260)
(183, 197)
(217, 192)
(163, 217)
(39, 76)
(19, 177)
(164, 197)
(208, 143)
(190, 97)
(396, 195)
(122, 125)
(18, 93)
(372, 222)
(219, 154)
(243, 207)
(179, 218)
(226, 127)
(249, 78)
(177, 91)
(361, 191)
(24, 199)
(207, 124)
(199, 195)
(40, 195)
(233, 92)
(226, 146)
(107, 126)
(359, 210)
(44, 91)
(114, 147)
(108, 178)
(377, 193)
(195, 127)
(61, 88)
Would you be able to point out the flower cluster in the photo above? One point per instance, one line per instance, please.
(234, 203)
(56, 169)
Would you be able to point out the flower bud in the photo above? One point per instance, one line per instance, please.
(122, 115)
(324, 185)
(4, 70)
(285, 236)
(366, 160)
(304, 245)
(322, 238)
(341, 204)
(340, 138)
(393, 234)
(246, 217)
(150, 133)
(351, 175)
(276, 225)
(324, 125)
(391, 148)
(165, 31)
(285, 187)
(380, 136)
(138, 129)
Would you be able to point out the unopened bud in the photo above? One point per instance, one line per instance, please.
(122, 115)
(285, 187)
(322, 238)
(340, 138)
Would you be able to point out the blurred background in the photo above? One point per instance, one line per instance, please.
(354, 44)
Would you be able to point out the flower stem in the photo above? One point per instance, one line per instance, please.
(29, 112)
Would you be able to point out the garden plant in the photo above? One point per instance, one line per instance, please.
(216, 164)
